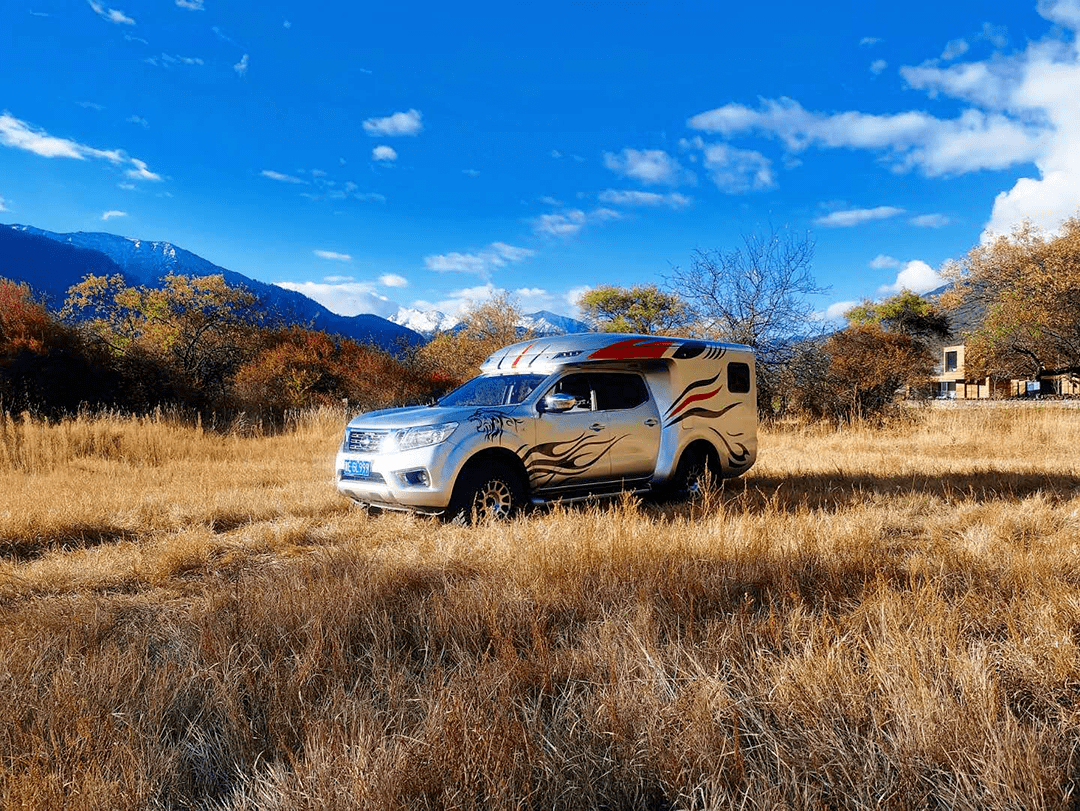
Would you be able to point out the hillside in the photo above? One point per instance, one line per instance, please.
(52, 262)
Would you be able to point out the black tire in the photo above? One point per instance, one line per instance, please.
(696, 467)
(486, 495)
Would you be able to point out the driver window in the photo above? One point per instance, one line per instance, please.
(576, 386)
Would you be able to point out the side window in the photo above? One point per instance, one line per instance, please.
(738, 378)
(615, 391)
(578, 386)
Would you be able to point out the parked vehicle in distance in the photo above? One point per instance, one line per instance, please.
(566, 417)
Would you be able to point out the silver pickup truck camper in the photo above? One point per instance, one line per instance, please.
(565, 417)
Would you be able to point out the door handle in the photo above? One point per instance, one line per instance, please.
(652, 421)
(597, 426)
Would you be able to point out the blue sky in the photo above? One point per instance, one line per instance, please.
(424, 155)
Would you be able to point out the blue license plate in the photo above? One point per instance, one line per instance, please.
(356, 469)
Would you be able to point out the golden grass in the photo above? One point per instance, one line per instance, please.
(870, 618)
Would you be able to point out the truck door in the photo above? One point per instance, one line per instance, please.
(627, 410)
(572, 447)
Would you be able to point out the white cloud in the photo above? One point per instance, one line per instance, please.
(619, 197)
(560, 225)
(955, 48)
(470, 172)
(529, 299)
(930, 221)
(882, 261)
(241, 67)
(393, 280)
(556, 154)
(869, 42)
(338, 279)
(649, 166)
(18, 134)
(569, 222)
(281, 177)
(857, 216)
(111, 14)
(141, 172)
(349, 298)
(126, 186)
(407, 123)
(168, 60)
(190, 5)
(910, 140)
(1015, 108)
(384, 153)
(286, 24)
(334, 255)
(836, 310)
(496, 255)
(139, 120)
(2, 206)
(91, 105)
(916, 276)
(737, 171)
(877, 66)
(108, 215)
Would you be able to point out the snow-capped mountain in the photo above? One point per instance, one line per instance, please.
(542, 322)
(427, 323)
(545, 322)
(53, 262)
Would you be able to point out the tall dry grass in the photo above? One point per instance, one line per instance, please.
(870, 618)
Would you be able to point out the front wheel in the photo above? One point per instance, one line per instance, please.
(485, 495)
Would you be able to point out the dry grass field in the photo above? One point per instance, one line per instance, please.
(871, 618)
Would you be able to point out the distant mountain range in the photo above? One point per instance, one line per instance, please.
(541, 323)
(51, 263)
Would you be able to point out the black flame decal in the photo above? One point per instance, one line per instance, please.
(738, 453)
(493, 424)
(569, 458)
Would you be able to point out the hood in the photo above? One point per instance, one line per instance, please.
(390, 418)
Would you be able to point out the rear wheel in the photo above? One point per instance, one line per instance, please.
(485, 494)
(697, 469)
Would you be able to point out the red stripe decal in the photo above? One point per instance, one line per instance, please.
(633, 349)
(695, 398)
(519, 357)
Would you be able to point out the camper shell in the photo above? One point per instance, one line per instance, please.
(564, 417)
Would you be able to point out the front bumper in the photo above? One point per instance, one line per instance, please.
(389, 487)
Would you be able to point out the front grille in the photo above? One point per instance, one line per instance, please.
(365, 441)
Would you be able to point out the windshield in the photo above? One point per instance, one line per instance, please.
(493, 390)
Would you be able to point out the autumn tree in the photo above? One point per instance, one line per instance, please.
(199, 329)
(867, 366)
(301, 368)
(644, 309)
(1028, 284)
(907, 313)
(455, 355)
(756, 294)
(44, 366)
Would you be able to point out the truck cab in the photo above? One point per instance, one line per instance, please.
(561, 418)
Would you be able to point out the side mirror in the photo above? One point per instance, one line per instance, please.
(559, 402)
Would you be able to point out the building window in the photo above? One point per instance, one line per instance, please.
(950, 361)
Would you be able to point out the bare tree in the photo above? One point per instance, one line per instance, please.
(756, 294)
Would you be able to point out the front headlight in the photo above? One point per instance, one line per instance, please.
(424, 435)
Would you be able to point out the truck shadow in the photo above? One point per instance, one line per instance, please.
(831, 492)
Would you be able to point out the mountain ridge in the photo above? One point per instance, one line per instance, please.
(147, 261)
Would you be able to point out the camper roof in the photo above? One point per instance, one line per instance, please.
(547, 354)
